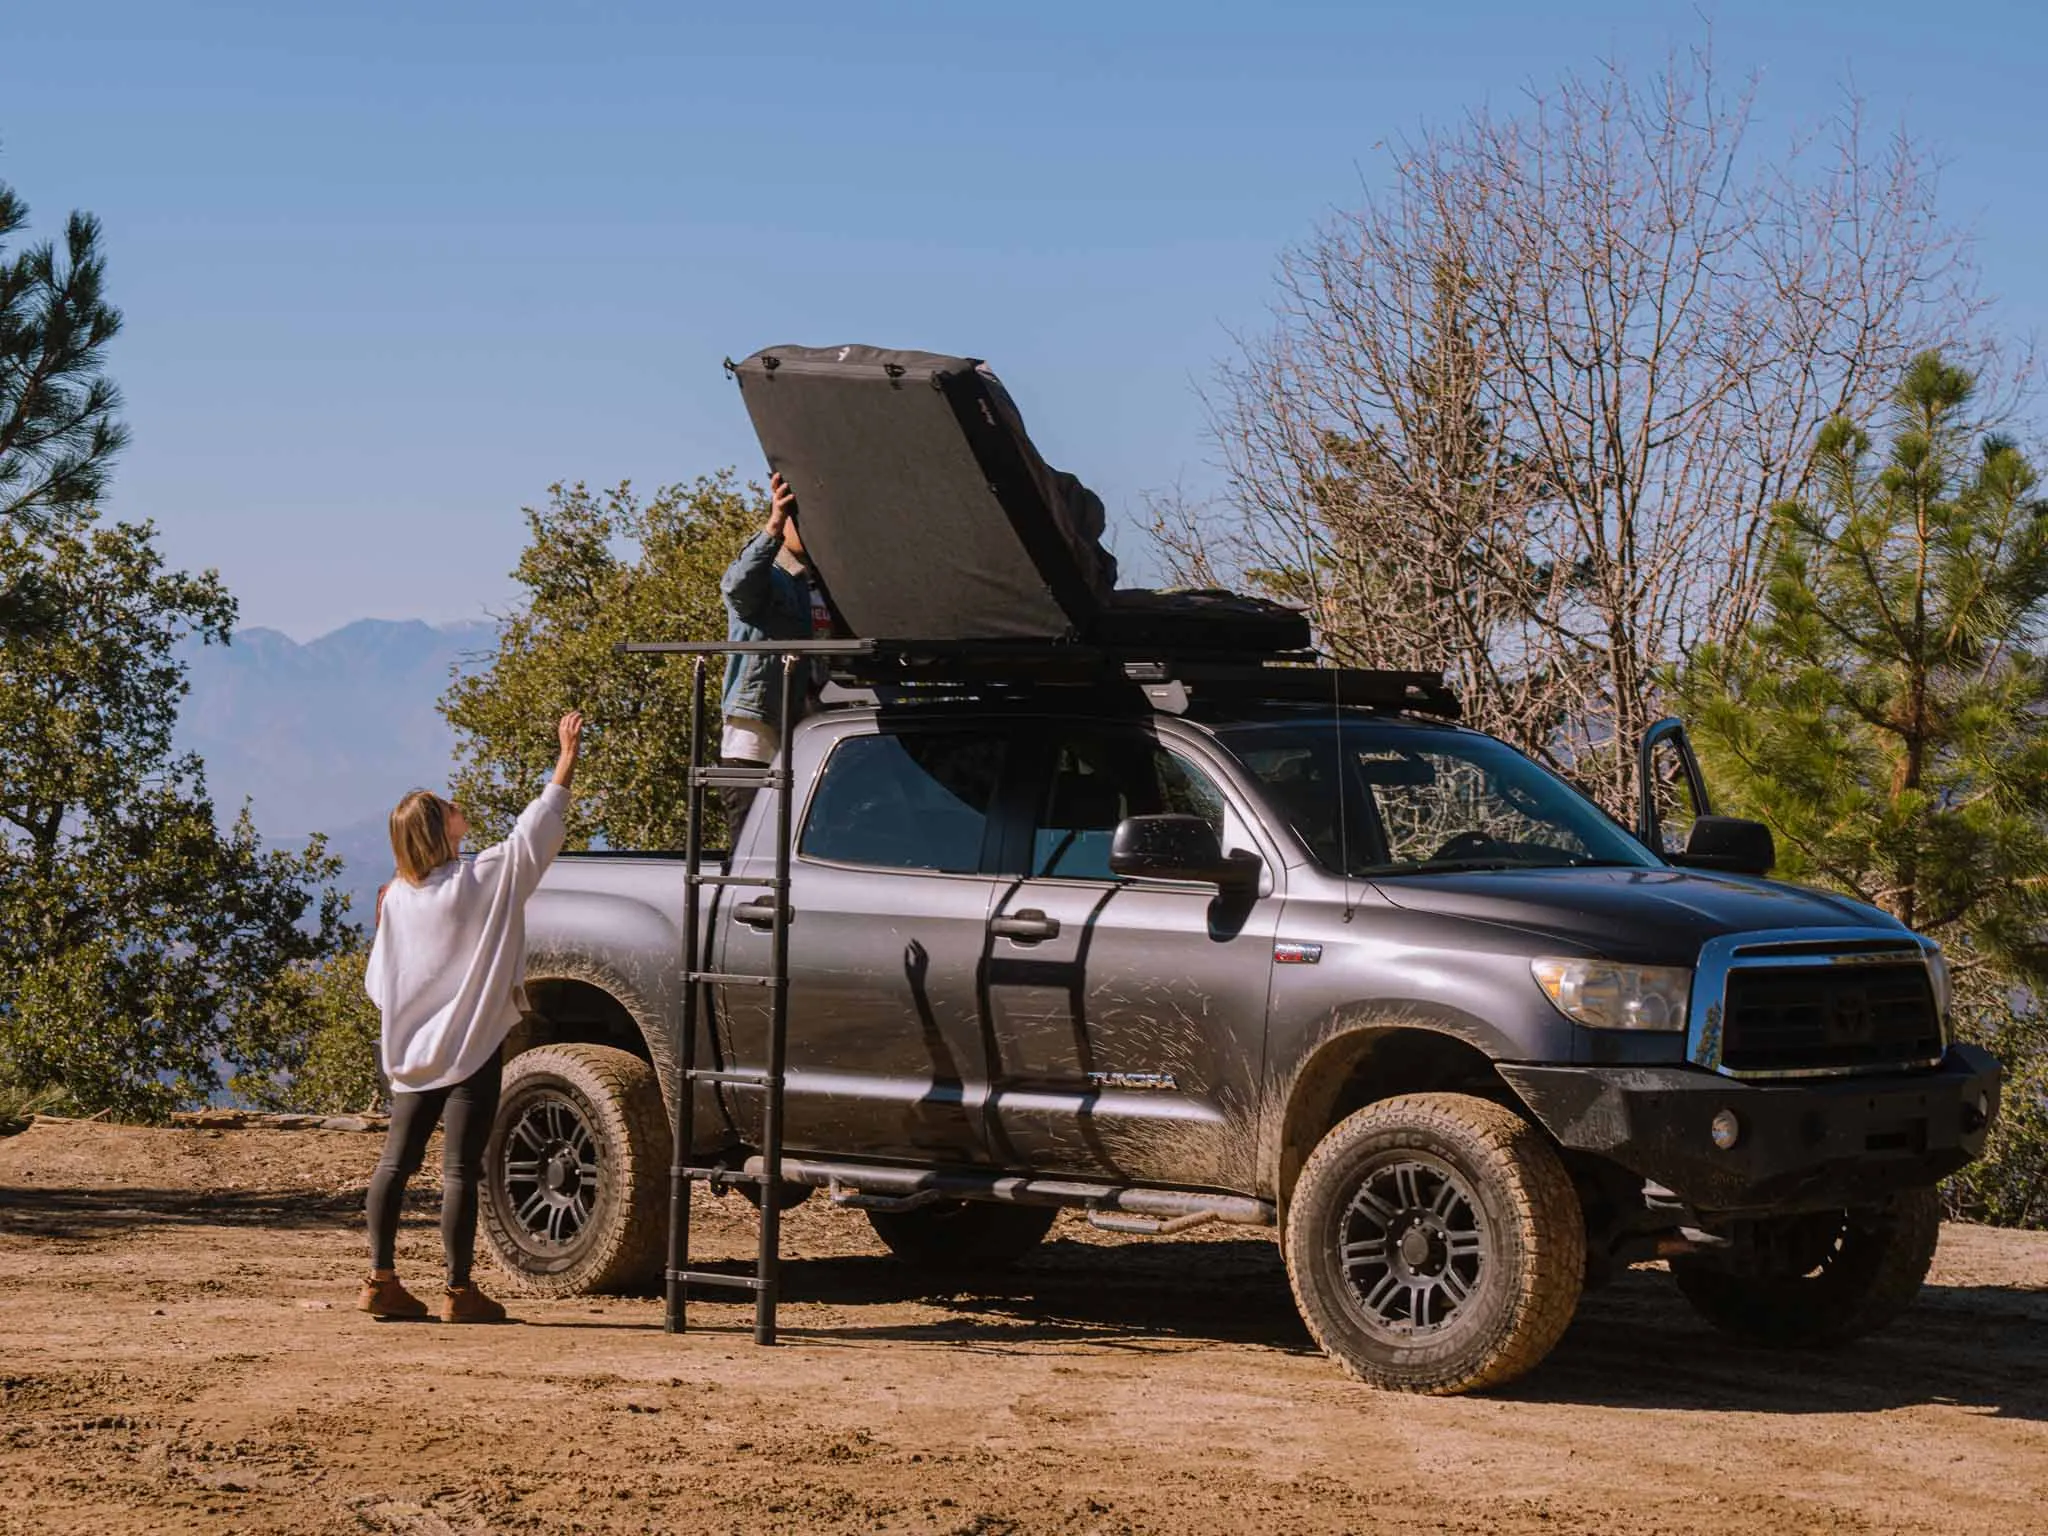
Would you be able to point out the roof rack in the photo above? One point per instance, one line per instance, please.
(907, 671)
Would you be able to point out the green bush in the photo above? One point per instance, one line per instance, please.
(321, 1042)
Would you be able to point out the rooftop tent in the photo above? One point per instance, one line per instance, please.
(928, 514)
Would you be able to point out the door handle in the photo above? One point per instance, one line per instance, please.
(758, 913)
(1028, 926)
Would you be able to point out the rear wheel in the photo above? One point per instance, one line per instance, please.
(1435, 1244)
(958, 1235)
(1819, 1278)
(576, 1173)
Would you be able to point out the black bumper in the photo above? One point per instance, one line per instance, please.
(1819, 1142)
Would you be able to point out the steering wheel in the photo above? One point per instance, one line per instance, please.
(1466, 845)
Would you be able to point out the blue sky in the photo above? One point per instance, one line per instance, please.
(389, 270)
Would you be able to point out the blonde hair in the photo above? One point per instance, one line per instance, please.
(419, 835)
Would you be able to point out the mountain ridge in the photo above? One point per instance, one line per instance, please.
(324, 735)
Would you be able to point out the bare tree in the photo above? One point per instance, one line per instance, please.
(1525, 415)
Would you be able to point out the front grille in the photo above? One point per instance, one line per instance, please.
(1829, 1018)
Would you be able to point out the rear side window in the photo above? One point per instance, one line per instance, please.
(916, 801)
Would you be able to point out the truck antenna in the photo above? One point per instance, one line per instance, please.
(1343, 819)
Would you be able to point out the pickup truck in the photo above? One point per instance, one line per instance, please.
(1369, 978)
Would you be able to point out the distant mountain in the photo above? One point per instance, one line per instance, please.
(325, 736)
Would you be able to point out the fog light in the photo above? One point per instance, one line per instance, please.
(1726, 1129)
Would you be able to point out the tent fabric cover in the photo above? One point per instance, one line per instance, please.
(927, 513)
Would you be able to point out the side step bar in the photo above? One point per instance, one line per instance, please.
(1123, 1207)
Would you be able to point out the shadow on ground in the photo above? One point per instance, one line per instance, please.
(86, 1215)
(1635, 1344)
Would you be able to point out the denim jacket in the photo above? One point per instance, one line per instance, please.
(762, 602)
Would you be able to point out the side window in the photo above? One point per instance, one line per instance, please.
(1099, 780)
(919, 800)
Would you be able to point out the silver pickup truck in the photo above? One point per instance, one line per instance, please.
(1366, 977)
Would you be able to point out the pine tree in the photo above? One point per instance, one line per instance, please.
(58, 432)
(141, 941)
(1887, 716)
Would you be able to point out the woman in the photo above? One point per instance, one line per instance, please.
(445, 970)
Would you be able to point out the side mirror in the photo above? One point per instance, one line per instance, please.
(1178, 848)
(1731, 844)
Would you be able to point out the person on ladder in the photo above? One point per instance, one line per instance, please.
(769, 595)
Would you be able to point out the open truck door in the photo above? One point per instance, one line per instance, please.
(1675, 819)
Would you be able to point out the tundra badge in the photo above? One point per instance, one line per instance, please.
(1163, 1081)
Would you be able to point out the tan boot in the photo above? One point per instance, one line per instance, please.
(387, 1298)
(467, 1304)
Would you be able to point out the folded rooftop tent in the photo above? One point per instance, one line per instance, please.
(928, 514)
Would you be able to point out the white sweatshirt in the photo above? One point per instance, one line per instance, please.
(450, 953)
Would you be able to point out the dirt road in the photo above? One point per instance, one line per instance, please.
(178, 1353)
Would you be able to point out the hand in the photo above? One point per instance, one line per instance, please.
(782, 505)
(569, 731)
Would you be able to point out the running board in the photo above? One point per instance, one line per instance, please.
(873, 1188)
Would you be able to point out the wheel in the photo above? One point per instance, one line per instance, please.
(1817, 1279)
(963, 1234)
(576, 1172)
(1435, 1244)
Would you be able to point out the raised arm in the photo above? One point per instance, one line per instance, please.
(748, 581)
(537, 836)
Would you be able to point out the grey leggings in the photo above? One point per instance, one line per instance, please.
(468, 1108)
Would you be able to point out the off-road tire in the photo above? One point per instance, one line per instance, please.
(959, 1236)
(1530, 1255)
(622, 1244)
(1864, 1277)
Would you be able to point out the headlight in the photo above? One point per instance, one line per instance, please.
(1602, 995)
(1944, 989)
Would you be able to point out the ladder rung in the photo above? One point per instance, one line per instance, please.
(718, 1075)
(766, 883)
(727, 979)
(705, 1277)
(740, 778)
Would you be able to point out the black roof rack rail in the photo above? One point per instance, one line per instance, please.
(912, 670)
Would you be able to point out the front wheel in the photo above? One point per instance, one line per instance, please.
(1435, 1244)
(1816, 1279)
(576, 1172)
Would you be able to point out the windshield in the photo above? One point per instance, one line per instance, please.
(1417, 800)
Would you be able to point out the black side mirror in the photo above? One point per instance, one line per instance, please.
(1178, 848)
(1731, 844)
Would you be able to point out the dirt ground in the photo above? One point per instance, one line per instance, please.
(178, 1353)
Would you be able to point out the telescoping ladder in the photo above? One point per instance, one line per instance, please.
(684, 1170)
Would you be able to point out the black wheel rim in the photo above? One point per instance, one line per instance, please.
(551, 1169)
(1412, 1248)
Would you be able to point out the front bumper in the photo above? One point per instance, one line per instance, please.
(1810, 1144)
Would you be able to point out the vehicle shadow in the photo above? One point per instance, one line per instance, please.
(1634, 1344)
(1136, 1296)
